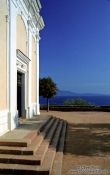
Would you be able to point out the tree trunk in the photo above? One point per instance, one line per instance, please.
(47, 104)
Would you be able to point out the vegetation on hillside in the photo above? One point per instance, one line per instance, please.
(77, 102)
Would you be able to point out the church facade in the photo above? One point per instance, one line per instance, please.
(20, 24)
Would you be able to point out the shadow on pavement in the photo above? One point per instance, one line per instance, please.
(88, 139)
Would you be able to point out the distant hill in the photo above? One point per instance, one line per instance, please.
(66, 93)
(69, 93)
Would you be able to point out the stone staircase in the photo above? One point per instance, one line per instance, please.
(40, 152)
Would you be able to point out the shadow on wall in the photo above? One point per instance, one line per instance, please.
(88, 139)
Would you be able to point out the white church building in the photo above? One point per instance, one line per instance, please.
(20, 24)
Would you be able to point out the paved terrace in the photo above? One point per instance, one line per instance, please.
(87, 139)
(25, 127)
(87, 142)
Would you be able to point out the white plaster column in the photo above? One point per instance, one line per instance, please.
(37, 74)
(29, 71)
(12, 117)
(7, 46)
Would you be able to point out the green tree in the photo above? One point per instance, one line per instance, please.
(47, 89)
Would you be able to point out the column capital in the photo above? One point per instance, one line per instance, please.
(38, 37)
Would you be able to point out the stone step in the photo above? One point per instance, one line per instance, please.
(13, 142)
(32, 135)
(50, 154)
(30, 159)
(40, 153)
(37, 142)
(57, 164)
(44, 124)
(19, 159)
(22, 169)
(61, 143)
(15, 150)
(51, 138)
(33, 146)
(27, 139)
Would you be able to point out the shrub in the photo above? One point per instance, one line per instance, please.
(77, 102)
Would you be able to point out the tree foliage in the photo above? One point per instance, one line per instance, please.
(77, 102)
(47, 88)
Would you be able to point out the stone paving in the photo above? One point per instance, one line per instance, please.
(87, 147)
(24, 128)
(87, 140)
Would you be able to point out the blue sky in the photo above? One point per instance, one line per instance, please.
(75, 44)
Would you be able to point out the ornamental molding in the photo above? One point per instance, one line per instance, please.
(21, 56)
(21, 66)
(30, 10)
(34, 13)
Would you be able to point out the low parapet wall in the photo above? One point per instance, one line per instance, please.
(76, 108)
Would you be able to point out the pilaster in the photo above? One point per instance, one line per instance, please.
(29, 69)
(12, 68)
(37, 73)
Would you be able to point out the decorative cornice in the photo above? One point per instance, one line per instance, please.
(34, 7)
(30, 9)
(41, 23)
(39, 4)
(22, 56)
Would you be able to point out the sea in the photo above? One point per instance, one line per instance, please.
(101, 100)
